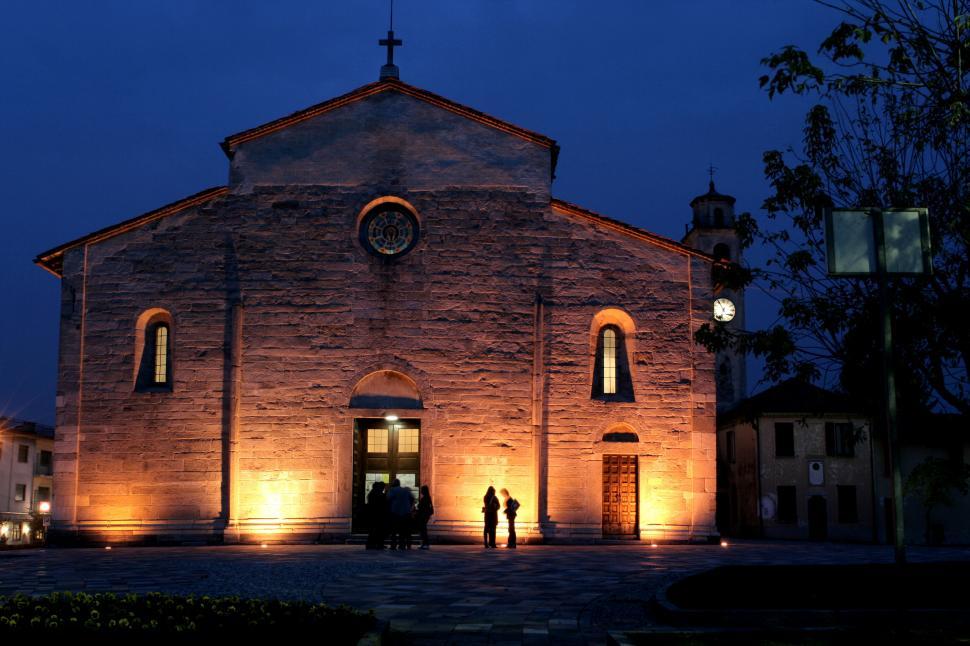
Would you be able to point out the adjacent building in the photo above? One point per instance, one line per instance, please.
(26, 477)
(797, 462)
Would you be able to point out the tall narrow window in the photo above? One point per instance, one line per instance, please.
(611, 370)
(161, 354)
(153, 352)
(609, 362)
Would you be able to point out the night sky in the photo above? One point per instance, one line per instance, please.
(111, 109)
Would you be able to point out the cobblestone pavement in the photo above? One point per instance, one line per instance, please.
(450, 594)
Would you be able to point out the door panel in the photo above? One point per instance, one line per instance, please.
(620, 493)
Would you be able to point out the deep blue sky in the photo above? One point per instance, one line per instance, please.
(112, 108)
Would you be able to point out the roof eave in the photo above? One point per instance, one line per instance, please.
(629, 229)
(52, 260)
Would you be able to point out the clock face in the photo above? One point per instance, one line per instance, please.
(389, 232)
(724, 310)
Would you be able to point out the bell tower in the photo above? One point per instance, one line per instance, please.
(712, 231)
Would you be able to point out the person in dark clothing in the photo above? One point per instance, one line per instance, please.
(423, 515)
(511, 509)
(401, 503)
(376, 516)
(490, 510)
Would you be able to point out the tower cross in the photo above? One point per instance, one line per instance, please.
(390, 42)
(389, 70)
(710, 171)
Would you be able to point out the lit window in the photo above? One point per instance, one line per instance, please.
(161, 354)
(20, 493)
(609, 361)
(377, 440)
(407, 440)
(371, 478)
(154, 355)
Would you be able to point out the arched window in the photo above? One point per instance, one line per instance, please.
(153, 352)
(719, 217)
(611, 376)
(722, 251)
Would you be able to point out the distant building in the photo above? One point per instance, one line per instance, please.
(26, 470)
(796, 462)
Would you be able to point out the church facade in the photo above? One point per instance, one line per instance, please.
(386, 288)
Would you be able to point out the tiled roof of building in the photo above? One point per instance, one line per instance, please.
(795, 397)
(26, 428)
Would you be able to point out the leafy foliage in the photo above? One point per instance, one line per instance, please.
(890, 128)
(66, 614)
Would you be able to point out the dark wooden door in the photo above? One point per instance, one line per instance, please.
(620, 495)
(384, 451)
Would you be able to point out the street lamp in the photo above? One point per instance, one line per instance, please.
(882, 242)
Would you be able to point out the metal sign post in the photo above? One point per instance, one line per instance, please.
(883, 242)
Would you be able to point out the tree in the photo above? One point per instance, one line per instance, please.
(889, 128)
(933, 481)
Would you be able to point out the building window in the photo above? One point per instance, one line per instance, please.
(23, 453)
(20, 493)
(611, 377)
(43, 494)
(44, 463)
(609, 361)
(784, 440)
(377, 440)
(407, 440)
(722, 251)
(719, 218)
(787, 507)
(16, 532)
(848, 510)
(732, 450)
(155, 367)
(839, 440)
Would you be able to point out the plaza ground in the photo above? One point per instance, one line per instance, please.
(450, 594)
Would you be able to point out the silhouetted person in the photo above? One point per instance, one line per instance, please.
(400, 501)
(490, 510)
(376, 516)
(511, 509)
(423, 515)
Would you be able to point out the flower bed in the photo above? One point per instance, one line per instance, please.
(78, 614)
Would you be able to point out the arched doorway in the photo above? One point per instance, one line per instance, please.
(387, 441)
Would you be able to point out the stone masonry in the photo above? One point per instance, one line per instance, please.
(278, 311)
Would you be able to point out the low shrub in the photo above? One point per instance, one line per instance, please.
(131, 615)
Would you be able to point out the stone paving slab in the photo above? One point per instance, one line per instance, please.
(450, 594)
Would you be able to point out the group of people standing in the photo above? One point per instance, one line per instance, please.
(393, 514)
(491, 508)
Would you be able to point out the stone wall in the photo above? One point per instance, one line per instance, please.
(457, 314)
(490, 315)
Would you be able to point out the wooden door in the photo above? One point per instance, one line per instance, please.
(620, 495)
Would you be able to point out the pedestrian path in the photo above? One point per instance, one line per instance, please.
(451, 594)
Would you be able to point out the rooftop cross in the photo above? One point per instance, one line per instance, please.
(711, 169)
(389, 69)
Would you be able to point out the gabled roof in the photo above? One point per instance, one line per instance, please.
(389, 85)
(23, 427)
(794, 397)
(627, 229)
(53, 259)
